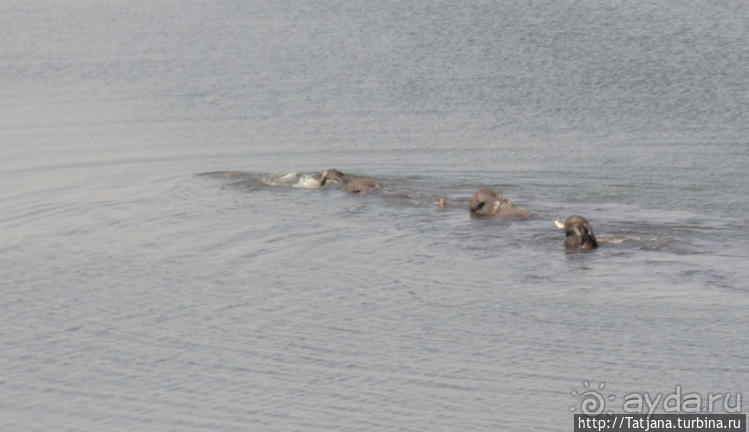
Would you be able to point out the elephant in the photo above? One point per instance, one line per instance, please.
(331, 174)
(486, 203)
(361, 186)
(579, 234)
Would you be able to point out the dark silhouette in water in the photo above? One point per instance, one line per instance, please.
(486, 203)
(578, 232)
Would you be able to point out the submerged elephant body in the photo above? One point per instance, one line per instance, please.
(361, 186)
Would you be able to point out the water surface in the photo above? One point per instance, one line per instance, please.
(140, 293)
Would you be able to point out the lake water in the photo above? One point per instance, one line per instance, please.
(139, 293)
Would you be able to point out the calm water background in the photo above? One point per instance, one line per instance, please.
(138, 295)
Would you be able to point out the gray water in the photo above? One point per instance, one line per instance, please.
(139, 293)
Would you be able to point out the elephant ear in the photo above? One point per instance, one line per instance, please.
(477, 206)
(589, 235)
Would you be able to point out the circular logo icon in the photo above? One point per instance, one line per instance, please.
(591, 402)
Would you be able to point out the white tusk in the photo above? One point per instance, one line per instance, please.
(559, 224)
